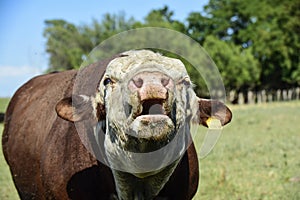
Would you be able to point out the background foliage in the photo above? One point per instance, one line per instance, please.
(254, 43)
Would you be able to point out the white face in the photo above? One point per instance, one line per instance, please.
(148, 98)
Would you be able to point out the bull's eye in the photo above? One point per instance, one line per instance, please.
(107, 81)
(186, 81)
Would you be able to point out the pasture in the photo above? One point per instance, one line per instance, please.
(257, 156)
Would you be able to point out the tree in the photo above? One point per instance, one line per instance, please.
(268, 28)
(254, 43)
(63, 41)
(238, 67)
(199, 26)
(68, 45)
(162, 18)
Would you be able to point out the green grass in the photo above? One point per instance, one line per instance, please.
(3, 104)
(7, 189)
(257, 157)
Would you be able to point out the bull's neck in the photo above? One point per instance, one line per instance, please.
(129, 186)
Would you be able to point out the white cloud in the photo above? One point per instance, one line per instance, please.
(14, 71)
(12, 77)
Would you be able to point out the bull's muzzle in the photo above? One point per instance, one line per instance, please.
(152, 126)
(151, 85)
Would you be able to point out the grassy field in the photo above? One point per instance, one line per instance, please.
(257, 157)
(7, 189)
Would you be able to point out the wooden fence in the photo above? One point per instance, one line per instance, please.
(264, 96)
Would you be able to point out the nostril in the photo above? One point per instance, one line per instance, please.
(165, 81)
(138, 82)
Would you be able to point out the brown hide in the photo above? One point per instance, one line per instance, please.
(45, 154)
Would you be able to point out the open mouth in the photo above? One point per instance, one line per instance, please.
(151, 127)
(153, 107)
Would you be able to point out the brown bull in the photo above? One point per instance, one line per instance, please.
(140, 101)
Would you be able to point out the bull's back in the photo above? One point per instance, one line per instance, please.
(29, 119)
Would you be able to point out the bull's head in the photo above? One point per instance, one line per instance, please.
(146, 101)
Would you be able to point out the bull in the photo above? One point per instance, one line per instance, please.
(139, 102)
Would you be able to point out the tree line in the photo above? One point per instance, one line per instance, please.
(255, 44)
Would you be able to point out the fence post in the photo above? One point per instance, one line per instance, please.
(278, 95)
(263, 96)
(284, 95)
(297, 93)
(270, 97)
(290, 94)
(258, 97)
(250, 97)
(231, 95)
(241, 99)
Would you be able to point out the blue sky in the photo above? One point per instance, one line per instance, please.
(22, 46)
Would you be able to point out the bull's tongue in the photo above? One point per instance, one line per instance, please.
(149, 133)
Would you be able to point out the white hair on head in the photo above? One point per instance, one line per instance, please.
(134, 59)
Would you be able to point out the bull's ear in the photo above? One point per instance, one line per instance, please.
(213, 109)
(75, 108)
